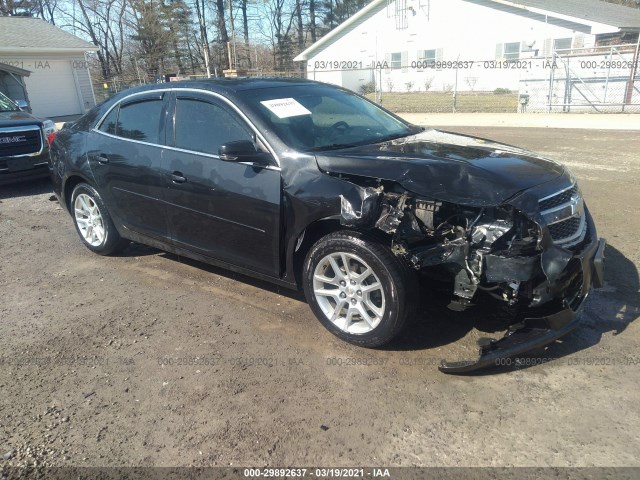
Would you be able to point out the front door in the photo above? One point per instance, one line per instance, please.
(225, 210)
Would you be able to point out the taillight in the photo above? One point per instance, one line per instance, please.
(50, 137)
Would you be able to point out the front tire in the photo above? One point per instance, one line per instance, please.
(93, 223)
(358, 289)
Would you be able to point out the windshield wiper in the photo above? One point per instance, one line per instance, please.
(396, 136)
(333, 146)
(371, 141)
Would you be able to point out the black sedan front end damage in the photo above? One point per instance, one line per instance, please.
(585, 270)
(534, 250)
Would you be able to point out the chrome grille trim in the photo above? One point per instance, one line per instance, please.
(39, 148)
(563, 206)
(558, 198)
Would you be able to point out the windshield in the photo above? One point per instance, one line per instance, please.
(317, 117)
(7, 105)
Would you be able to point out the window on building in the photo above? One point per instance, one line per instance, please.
(427, 56)
(562, 44)
(396, 60)
(511, 51)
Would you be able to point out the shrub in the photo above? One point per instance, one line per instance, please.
(501, 91)
(427, 83)
(368, 88)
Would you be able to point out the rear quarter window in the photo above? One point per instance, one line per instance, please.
(109, 124)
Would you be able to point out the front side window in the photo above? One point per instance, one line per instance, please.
(140, 121)
(202, 126)
(512, 51)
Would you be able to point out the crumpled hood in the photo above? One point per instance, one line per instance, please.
(447, 166)
(18, 119)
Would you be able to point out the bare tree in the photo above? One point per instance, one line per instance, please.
(223, 36)
(245, 30)
(103, 23)
(18, 8)
(312, 20)
(202, 45)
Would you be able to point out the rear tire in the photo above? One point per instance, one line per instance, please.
(359, 290)
(93, 222)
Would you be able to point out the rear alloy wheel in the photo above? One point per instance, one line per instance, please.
(89, 220)
(358, 289)
(93, 223)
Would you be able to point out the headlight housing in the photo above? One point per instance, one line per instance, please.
(49, 127)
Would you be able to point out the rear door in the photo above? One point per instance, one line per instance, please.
(126, 154)
(225, 210)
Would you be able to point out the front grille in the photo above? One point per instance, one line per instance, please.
(20, 141)
(565, 216)
(559, 199)
(565, 229)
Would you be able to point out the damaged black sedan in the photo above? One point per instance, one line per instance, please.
(313, 187)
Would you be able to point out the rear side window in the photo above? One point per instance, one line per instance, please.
(202, 126)
(110, 122)
(140, 121)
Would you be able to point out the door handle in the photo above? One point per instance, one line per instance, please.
(177, 177)
(102, 159)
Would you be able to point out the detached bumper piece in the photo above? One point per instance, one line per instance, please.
(534, 333)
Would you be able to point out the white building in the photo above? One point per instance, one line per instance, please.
(58, 81)
(471, 45)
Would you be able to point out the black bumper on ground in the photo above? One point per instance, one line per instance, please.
(536, 332)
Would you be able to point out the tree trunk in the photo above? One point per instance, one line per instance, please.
(300, 32)
(312, 20)
(245, 27)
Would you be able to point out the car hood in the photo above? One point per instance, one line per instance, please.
(447, 166)
(18, 119)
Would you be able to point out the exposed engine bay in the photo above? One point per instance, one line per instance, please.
(496, 250)
(492, 249)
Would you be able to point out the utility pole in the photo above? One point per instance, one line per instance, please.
(632, 75)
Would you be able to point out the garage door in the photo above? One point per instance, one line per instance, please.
(52, 89)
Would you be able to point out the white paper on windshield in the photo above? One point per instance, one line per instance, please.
(285, 107)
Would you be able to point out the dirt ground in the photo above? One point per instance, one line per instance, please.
(150, 359)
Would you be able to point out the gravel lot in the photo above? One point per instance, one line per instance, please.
(151, 359)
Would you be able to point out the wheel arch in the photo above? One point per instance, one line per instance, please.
(69, 184)
(318, 229)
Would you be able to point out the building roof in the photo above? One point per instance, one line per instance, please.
(587, 11)
(23, 34)
(592, 10)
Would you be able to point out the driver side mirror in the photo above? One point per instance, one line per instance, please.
(242, 151)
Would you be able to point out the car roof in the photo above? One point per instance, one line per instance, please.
(226, 85)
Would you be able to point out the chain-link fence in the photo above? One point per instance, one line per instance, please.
(597, 79)
(585, 80)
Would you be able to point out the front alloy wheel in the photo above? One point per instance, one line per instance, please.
(358, 289)
(349, 293)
